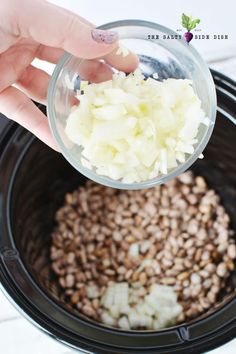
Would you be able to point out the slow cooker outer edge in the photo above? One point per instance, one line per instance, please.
(45, 323)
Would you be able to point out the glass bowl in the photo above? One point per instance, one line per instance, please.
(159, 52)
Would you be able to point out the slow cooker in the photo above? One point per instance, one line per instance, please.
(33, 182)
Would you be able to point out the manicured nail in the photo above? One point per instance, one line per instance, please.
(101, 36)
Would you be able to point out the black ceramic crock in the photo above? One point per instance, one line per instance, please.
(33, 181)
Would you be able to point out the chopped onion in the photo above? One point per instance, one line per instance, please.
(129, 308)
(155, 75)
(92, 291)
(86, 163)
(124, 323)
(145, 245)
(201, 156)
(132, 129)
(134, 250)
(122, 51)
(107, 319)
(146, 263)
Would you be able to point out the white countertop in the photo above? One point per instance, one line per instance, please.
(18, 335)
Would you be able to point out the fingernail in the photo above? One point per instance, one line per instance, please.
(101, 36)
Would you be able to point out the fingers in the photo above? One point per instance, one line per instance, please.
(88, 69)
(50, 54)
(13, 63)
(94, 71)
(91, 70)
(53, 26)
(67, 31)
(97, 71)
(126, 63)
(15, 105)
(34, 82)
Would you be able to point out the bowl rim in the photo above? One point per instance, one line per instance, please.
(162, 178)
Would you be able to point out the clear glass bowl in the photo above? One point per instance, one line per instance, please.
(168, 57)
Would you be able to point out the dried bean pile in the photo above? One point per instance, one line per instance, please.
(104, 235)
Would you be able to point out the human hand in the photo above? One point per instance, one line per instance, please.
(37, 29)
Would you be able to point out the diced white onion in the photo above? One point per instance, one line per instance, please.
(155, 75)
(124, 323)
(129, 307)
(92, 291)
(122, 51)
(145, 245)
(132, 129)
(86, 163)
(134, 250)
(107, 319)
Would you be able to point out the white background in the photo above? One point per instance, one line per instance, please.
(217, 17)
(17, 335)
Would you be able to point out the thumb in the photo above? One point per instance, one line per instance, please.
(53, 26)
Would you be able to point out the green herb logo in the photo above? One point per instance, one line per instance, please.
(189, 23)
